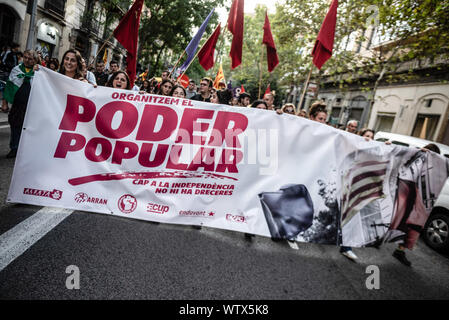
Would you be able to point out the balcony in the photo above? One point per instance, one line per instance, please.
(56, 6)
(90, 23)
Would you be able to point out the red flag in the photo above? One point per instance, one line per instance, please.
(242, 89)
(127, 33)
(206, 54)
(272, 56)
(324, 44)
(268, 90)
(235, 26)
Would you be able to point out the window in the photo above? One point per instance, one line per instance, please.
(57, 6)
(425, 126)
(384, 122)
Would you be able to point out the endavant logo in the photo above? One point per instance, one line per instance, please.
(127, 203)
(55, 194)
(192, 213)
(81, 197)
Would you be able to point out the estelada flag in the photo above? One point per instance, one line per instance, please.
(127, 33)
(235, 26)
(219, 77)
(272, 56)
(184, 80)
(105, 56)
(324, 44)
(206, 54)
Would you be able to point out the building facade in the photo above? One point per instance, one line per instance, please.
(59, 26)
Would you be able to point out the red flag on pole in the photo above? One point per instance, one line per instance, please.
(235, 26)
(272, 56)
(127, 33)
(268, 90)
(324, 44)
(206, 54)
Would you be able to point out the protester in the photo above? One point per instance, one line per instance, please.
(165, 87)
(119, 80)
(89, 76)
(101, 77)
(113, 65)
(53, 64)
(244, 99)
(71, 65)
(302, 113)
(259, 104)
(269, 99)
(351, 126)
(234, 102)
(214, 96)
(165, 74)
(288, 108)
(204, 92)
(318, 112)
(368, 134)
(10, 59)
(178, 91)
(191, 89)
(145, 86)
(17, 92)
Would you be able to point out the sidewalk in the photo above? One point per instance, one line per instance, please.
(3, 118)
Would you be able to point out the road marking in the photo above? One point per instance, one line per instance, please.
(3, 127)
(293, 244)
(17, 240)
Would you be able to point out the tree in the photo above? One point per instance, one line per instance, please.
(166, 33)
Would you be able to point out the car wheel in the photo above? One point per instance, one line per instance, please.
(436, 232)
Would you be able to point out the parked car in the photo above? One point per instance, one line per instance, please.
(436, 229)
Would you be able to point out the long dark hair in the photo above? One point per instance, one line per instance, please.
(79, 62)
(162, 83)
(111, 80)
(176, 86)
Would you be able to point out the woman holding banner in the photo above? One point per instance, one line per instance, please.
(72, 65)
(119, 80)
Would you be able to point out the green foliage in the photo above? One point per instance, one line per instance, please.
(166, 33)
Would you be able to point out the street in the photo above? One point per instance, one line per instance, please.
(119, 258)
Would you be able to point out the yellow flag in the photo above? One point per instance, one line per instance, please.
(105, 56)
(219, 78)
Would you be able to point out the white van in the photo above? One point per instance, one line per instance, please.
(436, 229)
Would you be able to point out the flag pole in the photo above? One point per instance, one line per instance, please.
(196, 54)
(304, 91)
(260, 73)
(177, 62)
(221, 43)
(101, 48)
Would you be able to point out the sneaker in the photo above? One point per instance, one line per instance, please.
(400, 255)
(350, 255)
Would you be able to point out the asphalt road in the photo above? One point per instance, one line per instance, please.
(121, 258)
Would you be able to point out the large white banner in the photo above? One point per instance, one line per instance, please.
(180, 161)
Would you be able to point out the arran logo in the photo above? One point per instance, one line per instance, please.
(55, 194)
(127, 203)
(235, 218)
(157, 208)
(81, 197)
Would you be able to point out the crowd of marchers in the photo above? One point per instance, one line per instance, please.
(19, 68)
